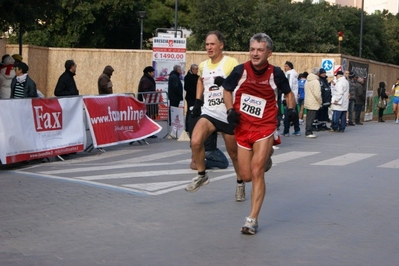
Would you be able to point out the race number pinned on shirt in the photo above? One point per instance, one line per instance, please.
(252, 105)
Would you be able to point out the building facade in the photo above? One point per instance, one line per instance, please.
(370, 6)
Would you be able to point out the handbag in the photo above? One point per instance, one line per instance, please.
(382, 103)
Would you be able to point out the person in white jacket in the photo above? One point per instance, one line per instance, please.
(313, 100)
(7, 73)
(292, 77)
(340, 102)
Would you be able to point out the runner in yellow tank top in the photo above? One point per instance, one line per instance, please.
(210, 108)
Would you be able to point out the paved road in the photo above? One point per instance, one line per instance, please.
(330, 201)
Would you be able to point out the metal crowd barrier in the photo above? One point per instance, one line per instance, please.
(157, 106)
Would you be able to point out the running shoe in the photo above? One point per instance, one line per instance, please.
(297, 133)
(198, 181)
(240, 192)
(397, 121)
(250, 227)
(269, 162)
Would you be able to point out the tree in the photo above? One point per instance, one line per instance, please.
(295, 27)
(103, 24)
(232, 17)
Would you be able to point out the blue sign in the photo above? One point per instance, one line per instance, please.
(327, 65)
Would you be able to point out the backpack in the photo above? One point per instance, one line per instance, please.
(301, 89)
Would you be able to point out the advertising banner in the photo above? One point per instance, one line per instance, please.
(115, 119)
(166, 53)
(39, 128)
(177, 122)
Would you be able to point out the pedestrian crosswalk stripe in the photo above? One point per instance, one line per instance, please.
(166, 187)
(345, 159)
(391, 164)
(156, 186)
(155, 156)
(292, 155)
(99, 156)
(146, 174)
(103, 167)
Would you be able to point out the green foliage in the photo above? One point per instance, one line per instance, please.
(231, 17)
(294, 26)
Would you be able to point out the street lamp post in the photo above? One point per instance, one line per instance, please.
(361, 30)
(340, 38)
(141, 15)
(176, 8)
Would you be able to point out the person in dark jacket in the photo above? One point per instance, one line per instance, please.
(175, 86)
(352, 98)
(66, 85)
(146, 85)
(381, 93)
(22, 86)
(104, 81)
(360, 94)
(190, 86)
(322, 113)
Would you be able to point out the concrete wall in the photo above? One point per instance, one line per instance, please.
(47, 64)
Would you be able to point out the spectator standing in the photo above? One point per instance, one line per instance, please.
(190, 87)
(301, 94)
(381, 93)
(22, 86)
(7, 73)
(147, 84)
(395, 93)
(175, 86)
(104, 81)
(313, 100)
(360, 95)
(340, 101)
(322, 114)
(292, 77)
(66, 85)
(347, 75)
(352, 98)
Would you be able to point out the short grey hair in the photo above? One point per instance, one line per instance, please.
(193, 66)
(176, 67)
(263, 37)
(315, 70)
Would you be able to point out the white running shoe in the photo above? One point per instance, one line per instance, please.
(250, 227)
(240, 192)
(198, 181)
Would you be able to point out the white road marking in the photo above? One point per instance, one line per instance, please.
(345, 159)
(104, 167)
(391, 164)
(170, 186)
(292, 155)
(155, 186)
(146, 174)
(155, 156)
